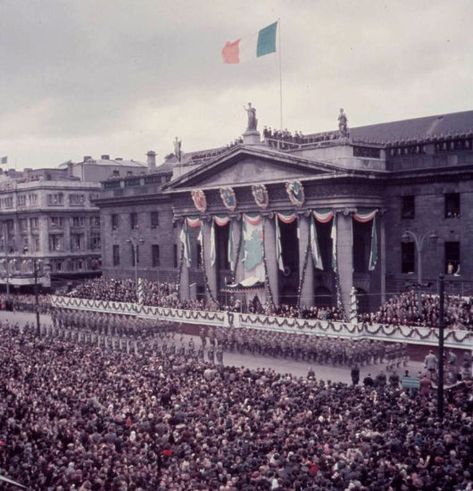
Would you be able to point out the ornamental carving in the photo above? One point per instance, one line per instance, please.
(199, 199)
(295, 191)
(260, 193)
(228, 198)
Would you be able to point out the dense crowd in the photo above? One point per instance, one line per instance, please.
(75, 416)
(24, 302)
(285, 139)
(406, 310)
(166, 295)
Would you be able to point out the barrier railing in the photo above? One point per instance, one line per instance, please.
(406, 334)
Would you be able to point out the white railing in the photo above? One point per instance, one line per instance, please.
(406, 334)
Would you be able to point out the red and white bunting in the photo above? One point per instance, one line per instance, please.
(323, 217)
(287, 218)
(252, 220)
(221, 221)
(364, 217)
(193, 222)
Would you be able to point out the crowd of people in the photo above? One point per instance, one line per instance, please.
(23, 302)
(406, 310)
(285, 139)
(75, 415)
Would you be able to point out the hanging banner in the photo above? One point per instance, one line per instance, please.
(364, 217)
(228, 198)
(323, 215)
(253, 246)
(295, 191)
(193, 222)
(213, 252)
(279, 246)
(314, 245)
(184, 236)
(221, 221)
(374, 246)
(199, 199)
(333, 236)
(230, 247)
(286, 216)
(260, 194)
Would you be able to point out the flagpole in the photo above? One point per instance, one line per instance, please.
(280, 76)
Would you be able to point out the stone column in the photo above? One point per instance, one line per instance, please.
(210, 271)
(184, 279)
(345, 257)
(271, 259)
(307, 293)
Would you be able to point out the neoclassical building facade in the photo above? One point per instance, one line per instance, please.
(302, 220)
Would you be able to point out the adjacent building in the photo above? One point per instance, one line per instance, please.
(49, 223)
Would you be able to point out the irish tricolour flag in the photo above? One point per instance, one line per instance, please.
(260, 44)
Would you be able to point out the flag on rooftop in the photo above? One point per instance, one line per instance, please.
(260, 44)
(4, 160)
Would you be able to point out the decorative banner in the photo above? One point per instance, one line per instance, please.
(213, 253)
(374, 246)
(228, 197)
(221, 221)
(364, 217)
(230, 252)
(199, 199)
(193, 222)
(279, 246)
(260, 193)
(140, 291)
(323, 215)
(295, 191)
(253, 245)
(333, 236)
(314, 245)
(184, 236)
(286, 216)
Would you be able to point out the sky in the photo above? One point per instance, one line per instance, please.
(93, 77)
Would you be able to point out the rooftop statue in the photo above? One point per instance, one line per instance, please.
(343, 124)
(252, 121)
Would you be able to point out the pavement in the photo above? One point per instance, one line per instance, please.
(280, 365)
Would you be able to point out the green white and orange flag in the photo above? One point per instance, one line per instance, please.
(260, 44)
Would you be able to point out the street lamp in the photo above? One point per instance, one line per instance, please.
(134, 245)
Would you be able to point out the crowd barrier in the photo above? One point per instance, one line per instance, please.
(406, 334)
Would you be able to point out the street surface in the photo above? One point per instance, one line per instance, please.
(281, 365)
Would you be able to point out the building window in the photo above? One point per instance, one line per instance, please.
(56, 242)
(154, 219)
(34, 223)
(199, 255)
(56, 199)
(56, 222)
(408, 207)
(21, 200)
(77, 242)
(35, 239)
(23, 222)
(452, 205)
(32, 200)
(114, 221)
(116, 173)
(95, 242)
(116, 255)
(76, 199)
(408, 257)
(175, 255)
(78, 221)
(452, 258)
(95, 221)
(133, 221)
(156, 261)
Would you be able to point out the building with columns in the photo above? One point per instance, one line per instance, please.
(303, 219)
(50, 223)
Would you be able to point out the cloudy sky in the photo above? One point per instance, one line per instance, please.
(121, 77)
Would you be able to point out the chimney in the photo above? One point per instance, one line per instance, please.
(70, 172)
(105, 157)
(151, 161)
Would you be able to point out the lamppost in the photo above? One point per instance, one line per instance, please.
(419, 241)
(37, 264)
(441, 326)
(134, 245)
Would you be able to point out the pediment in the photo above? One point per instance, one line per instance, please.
(250, 167)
